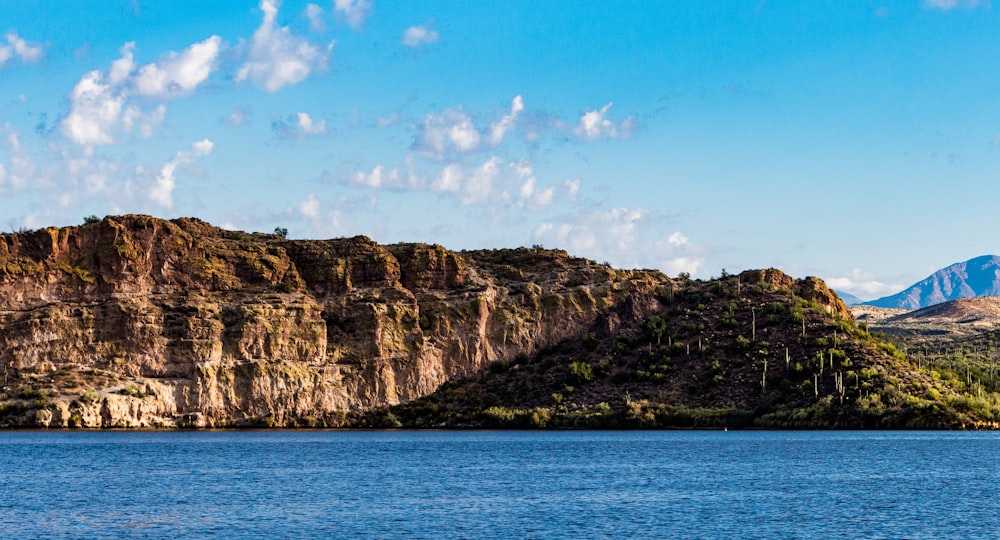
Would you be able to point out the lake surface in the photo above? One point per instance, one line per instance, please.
(484, 484)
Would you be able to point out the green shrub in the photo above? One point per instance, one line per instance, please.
(581, 371)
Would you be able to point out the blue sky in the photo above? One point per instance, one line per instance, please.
(858, 141)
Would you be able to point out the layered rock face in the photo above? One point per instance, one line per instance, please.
(140, 322)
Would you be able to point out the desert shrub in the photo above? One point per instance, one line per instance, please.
(581, 371)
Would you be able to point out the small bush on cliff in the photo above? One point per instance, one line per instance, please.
(91, 219)
(581, 371)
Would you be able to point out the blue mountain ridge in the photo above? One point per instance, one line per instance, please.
(848, 298)
(979, 276)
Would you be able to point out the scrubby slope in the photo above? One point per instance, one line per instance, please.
(758, 349)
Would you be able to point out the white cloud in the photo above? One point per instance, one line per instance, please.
(678, 265)
(624, 237)
(677, 239)
(478, 187)
(238, 116)
(353, 12)
(862, 284)
(98, 109)
(145, 123)
(278, 58)
(310, 126)
(162, 192)
(20, 171)
(177, 74)
(492, 182)
(16, 46)
(594, 125)
(377, 178)
(449, 132)
(299, 126)
(448, 135)
(449, 179)
(315, 15)
(416, 36)
(530, 195)
(95, 110)
(501, 127)
(572, 189)
(594, 234)
(948, 5)
(386, 121)
(309, 207)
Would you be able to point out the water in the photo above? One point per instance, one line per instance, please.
(335, 484)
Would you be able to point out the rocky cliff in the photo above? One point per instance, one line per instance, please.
(134, 321)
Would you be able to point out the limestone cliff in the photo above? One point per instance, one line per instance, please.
(134, 321)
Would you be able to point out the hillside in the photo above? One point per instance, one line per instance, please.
(133, 321)
(952, 319)
(755, 350)
(976, 277)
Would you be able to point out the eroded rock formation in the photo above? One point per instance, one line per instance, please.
(134, 321)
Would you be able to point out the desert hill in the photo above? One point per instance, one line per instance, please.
(133, 321)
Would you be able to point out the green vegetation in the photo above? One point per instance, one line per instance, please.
(694, 364)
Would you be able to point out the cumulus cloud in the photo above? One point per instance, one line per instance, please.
(315, 15)
(144, 123)
(501, 127)
(64, 174)
(299, 126)
(238, 116)
(452, 132)
(310, 126)
(95, 111)
(531, 195)
(446, 133)
(862, 284)
(278, 58)
(309, 207)
(98, 102)
(572, 188)
(386, 121)
(178, 74)
(19, 48)
(623, 237)
(162, 192)
(378, 177)
(491, 182)
(677, 239)
(595, 125)
(418, 36)
(20, 170)
(353, 12)
(948, 5)
(599, 232)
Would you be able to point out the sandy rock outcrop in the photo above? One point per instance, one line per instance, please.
(134, 321)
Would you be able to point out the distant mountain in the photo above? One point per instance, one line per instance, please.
(976, 277)
(849, 298)
(960, 311)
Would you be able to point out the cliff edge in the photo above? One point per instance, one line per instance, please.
(134, 321)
